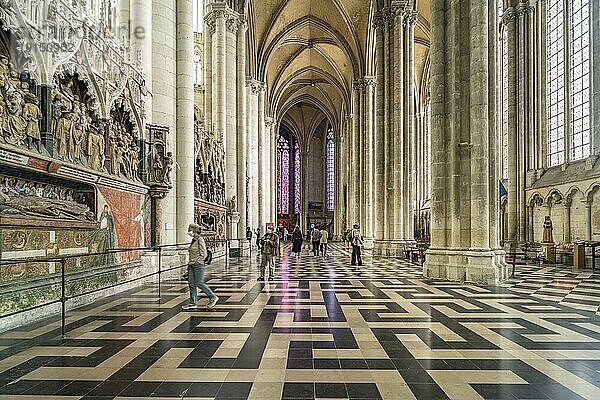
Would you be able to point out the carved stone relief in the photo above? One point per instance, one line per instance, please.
(20, 113)
(210, 167)
(21, 197)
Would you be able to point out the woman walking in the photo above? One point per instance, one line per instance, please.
(197, 255)
(297, 240)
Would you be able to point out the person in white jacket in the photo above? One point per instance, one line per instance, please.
(197, 255)
(324, 239)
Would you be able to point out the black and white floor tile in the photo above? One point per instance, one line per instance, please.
(324, 330)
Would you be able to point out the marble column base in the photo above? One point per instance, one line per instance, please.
(369, 243)
(470, 266)
(391, 247)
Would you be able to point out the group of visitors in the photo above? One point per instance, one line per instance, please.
(268, 245)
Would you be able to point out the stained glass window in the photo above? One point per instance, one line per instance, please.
(297, 178)
(330, 170)
(283, 175)
(580, 78)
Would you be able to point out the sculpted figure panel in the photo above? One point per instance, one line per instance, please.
(20, 197)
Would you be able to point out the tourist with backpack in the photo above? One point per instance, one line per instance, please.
(315, 238)
(199, 257)
(357, 242)
(270, 249)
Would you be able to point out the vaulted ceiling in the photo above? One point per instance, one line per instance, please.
(308, 52)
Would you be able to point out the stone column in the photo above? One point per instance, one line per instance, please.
(348, 168)
(263, 155)
(157, 194)
(271, 213)
(254, 88)
(567, 219)
(231, 126)
(410, 139)
(588, 219)
(304, 156)
(522, 108)
(219, 83)
(164, 71)
(242, 131)
(140, 26)
(368, 150)
(396, 230)
(209, 30)
(464, 243)
(355, 151)
(45, 95)
(185, 118)
(381, 132)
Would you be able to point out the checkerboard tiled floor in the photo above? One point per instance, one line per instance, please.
(322, 329)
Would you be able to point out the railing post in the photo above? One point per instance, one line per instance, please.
(63, 298)
(226, 254)
(159, 271)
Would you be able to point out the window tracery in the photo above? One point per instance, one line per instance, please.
(568, 37)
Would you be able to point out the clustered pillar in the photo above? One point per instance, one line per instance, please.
(394, 136)
(523, 128)
(235, 110)
(464, 217)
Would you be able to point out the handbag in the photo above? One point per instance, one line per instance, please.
(209, 257)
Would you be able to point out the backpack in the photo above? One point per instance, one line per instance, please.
(316, 236)
(209, 255)
(208, 258)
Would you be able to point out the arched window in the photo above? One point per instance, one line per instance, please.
(283, 175)
(297, 178)
(330, 170)
(568, 37)
(198, 16)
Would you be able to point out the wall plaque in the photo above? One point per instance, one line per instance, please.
(122, 186)
(13, 158)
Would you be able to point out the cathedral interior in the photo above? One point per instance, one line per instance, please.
(453, 143)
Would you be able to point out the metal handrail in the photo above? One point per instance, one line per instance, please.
(63, 276)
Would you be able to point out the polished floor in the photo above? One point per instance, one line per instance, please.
(322, 329)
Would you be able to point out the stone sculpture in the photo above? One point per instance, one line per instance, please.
(547, 234)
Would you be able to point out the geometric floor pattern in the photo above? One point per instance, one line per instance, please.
(321, 330)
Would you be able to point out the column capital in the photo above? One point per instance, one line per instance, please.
(256, 86)
(231, 23)
(410, 18)
(269, 121)
(378, 20)
(365, 82)
(210, 22)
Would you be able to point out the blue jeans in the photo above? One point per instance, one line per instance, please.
(196, 280)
